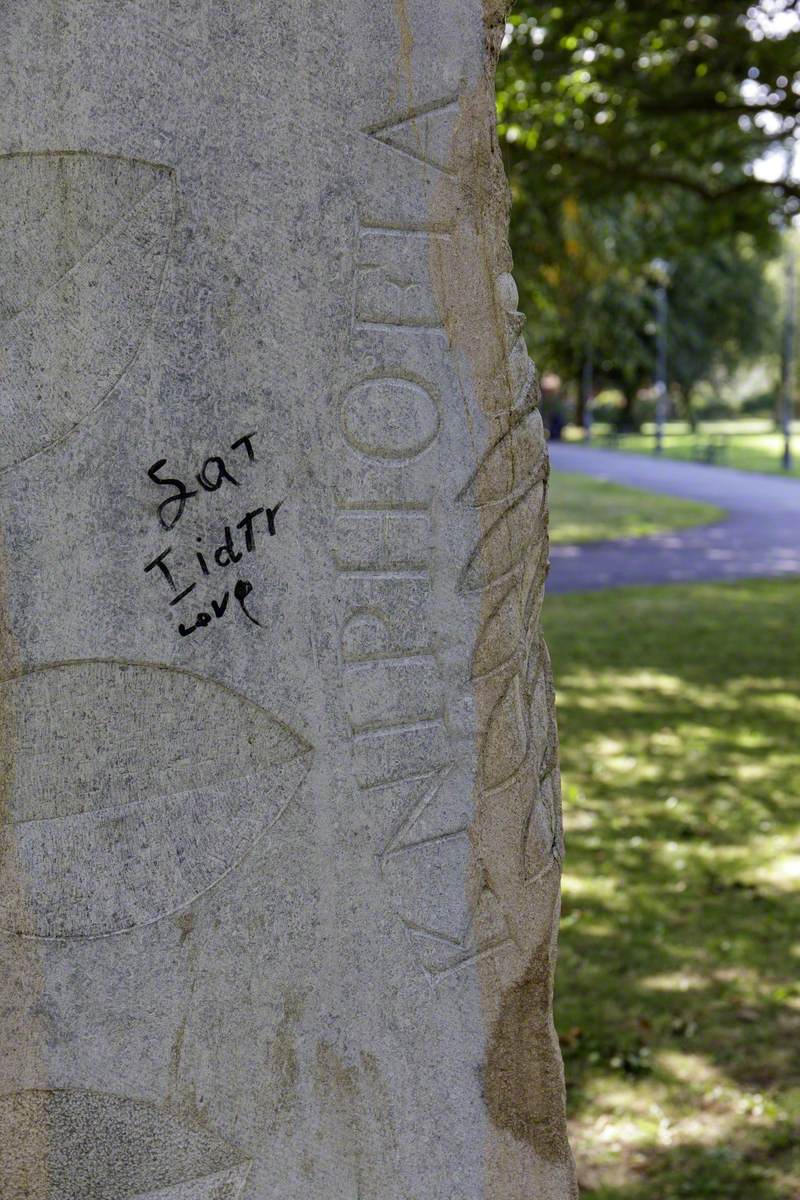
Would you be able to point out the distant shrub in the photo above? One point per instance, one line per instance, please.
(715, 409)
(606, 412)
(763, 404)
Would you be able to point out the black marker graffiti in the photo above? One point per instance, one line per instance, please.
(211, 476)
(242, 589)
(238, 539)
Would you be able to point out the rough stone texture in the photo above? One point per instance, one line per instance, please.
(281, 836)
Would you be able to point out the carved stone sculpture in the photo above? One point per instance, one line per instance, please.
(280, 831)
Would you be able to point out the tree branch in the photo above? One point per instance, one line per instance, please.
(789, 107)
(645, 174)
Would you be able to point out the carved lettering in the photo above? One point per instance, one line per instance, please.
(423, 132)
(394, 291)
(390, 418)
(383, 538)
(415, 741)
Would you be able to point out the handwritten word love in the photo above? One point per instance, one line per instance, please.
(241, 590)
(231, 550)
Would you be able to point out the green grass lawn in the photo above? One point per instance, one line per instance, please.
(588, 510)
(750, 445)
(678, 992)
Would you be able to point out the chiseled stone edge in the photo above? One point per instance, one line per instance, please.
(527, 1154)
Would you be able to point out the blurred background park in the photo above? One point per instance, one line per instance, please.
(652, 154)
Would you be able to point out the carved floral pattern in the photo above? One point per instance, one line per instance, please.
(508, 566)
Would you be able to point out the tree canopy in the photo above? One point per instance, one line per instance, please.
(635, 133)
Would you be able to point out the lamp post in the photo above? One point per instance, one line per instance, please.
(587, 392)
(787, 357)
(662, 314)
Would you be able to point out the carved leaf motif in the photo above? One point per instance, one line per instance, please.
(515, 384)
(543, 832)
(134, 789)
(542, 837)
(515, 462)
(521, 372)
(85, 241)
(507, 541)
(67, 1145)
(500, 636)
(543, 706)
(505, 744)
(533, 582)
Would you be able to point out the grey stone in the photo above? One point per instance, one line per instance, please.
(281, 833)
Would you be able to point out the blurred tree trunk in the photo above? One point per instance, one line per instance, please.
(686, 406)
(628, 416)
(583, 403)
(580, 408)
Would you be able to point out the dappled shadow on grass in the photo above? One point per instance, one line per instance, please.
(678, 1003)
(690, 1170)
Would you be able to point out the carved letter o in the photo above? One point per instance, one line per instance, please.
(389, 418)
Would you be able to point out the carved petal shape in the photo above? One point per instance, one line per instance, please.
(506, 542)
(506, 741)
(515, 462)
(71, 1145)
(500, 636)
(541, 835)
(542, 838)
(85, 241)
(133, 790)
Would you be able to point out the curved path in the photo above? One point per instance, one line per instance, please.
(760, 535)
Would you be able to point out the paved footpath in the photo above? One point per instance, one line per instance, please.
(759, 536)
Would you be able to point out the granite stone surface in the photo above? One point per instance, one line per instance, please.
(280, 831)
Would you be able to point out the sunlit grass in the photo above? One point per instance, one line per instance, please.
(678, 993)
(748, 445)
(588, 510)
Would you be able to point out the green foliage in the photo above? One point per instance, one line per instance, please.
(588, 510)
(678, 1016)
(630, 132)
(614, 95)
(722, 312)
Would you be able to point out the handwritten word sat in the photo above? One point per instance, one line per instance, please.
(211, 476)
(238, 539)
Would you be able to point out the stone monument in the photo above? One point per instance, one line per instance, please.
(280, 840)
